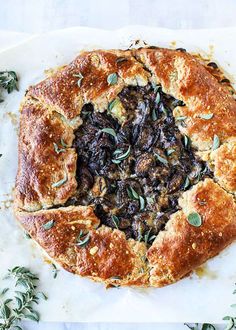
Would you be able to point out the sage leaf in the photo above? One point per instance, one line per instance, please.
(216, 142)
(112, 79)
(49, 224)
(60, 182)
(194, 219)
(109, 130)
(80, 76)
(207, 116)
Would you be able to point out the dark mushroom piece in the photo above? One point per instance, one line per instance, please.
(145, 138)
(143, 164)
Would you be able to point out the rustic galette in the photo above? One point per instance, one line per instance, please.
(127, 165)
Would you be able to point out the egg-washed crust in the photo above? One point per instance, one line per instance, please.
(224, 160)
(107, 257)
(41, 167)
(182, 247)
(46, 175)
(182, 76)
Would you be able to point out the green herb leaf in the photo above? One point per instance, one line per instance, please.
(120, 156)
(115, 220)
(42, 295)
(158, 98)
(33, 316)
(150, 200)
(208, 326)
(49, 224)
(8, 81)
(60, 182)
(112, 79)
(113, 103)
(186, 141)
(132, 193)
(147, 238)
(154, 114)
(207, 116)
(186, 183)
(55, 271)
(17, 327)
(161, 159)
(80, 76)
(57, 149)
(170, 151)
(4, 291)
(82, 239)
(5, 311)
(156, 87)
(181, 118)
(64, 144)
(216, 142)
(230, 324)
(141, 203)
(121, 59)
(163, 109)
(109, 130)
(115, 278)
(233, 305)
(21, 305)
(194, 219)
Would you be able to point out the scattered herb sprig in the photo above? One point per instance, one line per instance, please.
(134, 195)
(83, 239)
(55, 270)
(8, 81)
(21, 305)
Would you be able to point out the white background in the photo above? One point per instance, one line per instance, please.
(36, 16)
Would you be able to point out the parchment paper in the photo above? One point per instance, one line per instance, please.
(204, 298)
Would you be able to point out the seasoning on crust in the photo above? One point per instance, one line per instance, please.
(182, 76)
(107, 257)
(182, 247)
(117, 139)
(44, 163)
(224, 160)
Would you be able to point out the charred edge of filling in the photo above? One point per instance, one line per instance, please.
(134, 179)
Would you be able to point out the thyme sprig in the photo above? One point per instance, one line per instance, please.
(21, 305)
(8, 81)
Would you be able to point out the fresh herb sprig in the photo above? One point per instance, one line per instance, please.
(8, 81)
(21, 305)
(132, 194)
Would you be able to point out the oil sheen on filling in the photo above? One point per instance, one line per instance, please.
(133, 163)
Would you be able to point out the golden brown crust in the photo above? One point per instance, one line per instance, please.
(40, 167)
(61, 90)
(46, 171)
(182, 76)
(182, 247)
(224, 161)
(107, 257)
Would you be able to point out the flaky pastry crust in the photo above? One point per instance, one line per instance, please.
(46, 176)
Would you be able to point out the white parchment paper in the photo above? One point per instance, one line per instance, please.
(71, 298)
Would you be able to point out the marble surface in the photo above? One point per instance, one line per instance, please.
(30, 16)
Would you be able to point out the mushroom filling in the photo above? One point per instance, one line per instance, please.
(133, 163)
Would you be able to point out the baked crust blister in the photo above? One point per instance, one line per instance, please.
(47, 169)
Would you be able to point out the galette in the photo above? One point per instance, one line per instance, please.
(127, 165)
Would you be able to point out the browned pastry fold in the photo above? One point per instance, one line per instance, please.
(47, 167)
(182, 247)
(108, 256)
(182, 76)
(41, 168)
